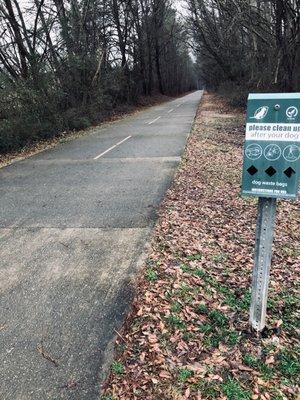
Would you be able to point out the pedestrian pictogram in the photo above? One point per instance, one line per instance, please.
(291, 153)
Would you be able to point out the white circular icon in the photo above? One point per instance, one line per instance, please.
(253, 151)
(292, 112)
(272, 152)
(291, 153)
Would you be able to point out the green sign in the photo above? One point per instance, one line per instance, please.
(272, 146)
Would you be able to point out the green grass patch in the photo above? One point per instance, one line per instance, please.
(186, 293)
(176, 307)
(289, 251)
(176, 322)
(187, 336)
(284, 305)
(212, 341)
(232, 338)
(200, 272)
(184, 374)
(250, 361)
(289, 363)
(151, 275)
(232, 298)
(245, 301)
(209, 390)
(202, 308)
(186, 268)
(205, 328)
(234, 391)
(218, 258)
(218, 318)
(195, 257)
(265, 370)
(117, 368)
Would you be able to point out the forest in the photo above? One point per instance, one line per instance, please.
(67, 64)
(247, 45)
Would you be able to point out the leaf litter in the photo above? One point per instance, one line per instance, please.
(188, 335)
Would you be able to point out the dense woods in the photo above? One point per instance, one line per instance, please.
(247, 45)
(65, 64)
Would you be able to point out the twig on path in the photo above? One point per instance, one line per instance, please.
(47, 356)
(120, 336)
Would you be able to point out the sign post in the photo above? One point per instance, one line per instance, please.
(271, 171)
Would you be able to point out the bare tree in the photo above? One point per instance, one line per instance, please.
(252, 44)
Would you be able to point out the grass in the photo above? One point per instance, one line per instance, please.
(202, 308)
(232, 338)
(209, 390)
(231, 297)
(175, 321)
(290, 251)
(185, 293)
(117, 368)
(184, 374)
(231, 388)
(176, 307)
(234, 391)
(201, 273)
(212, 341)
(218, 258)
(187, 336)
(215, 329)
(218, 318)
(205, 328)
(195, 257)
(151, 275)
(250, 360)
(289, 364)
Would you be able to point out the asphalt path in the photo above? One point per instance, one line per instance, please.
(74, 226)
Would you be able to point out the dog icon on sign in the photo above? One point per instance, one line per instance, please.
(260, 113)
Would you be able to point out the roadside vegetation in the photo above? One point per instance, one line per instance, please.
(188, 334)
(65, 65)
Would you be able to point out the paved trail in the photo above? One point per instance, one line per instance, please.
(74, 223)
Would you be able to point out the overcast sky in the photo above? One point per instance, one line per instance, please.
(178, 3)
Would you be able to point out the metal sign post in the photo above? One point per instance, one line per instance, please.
(271, 171)
(262, 262)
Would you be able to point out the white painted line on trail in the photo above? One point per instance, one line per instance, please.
(112, 147)
(170, 110)
(152, 122)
